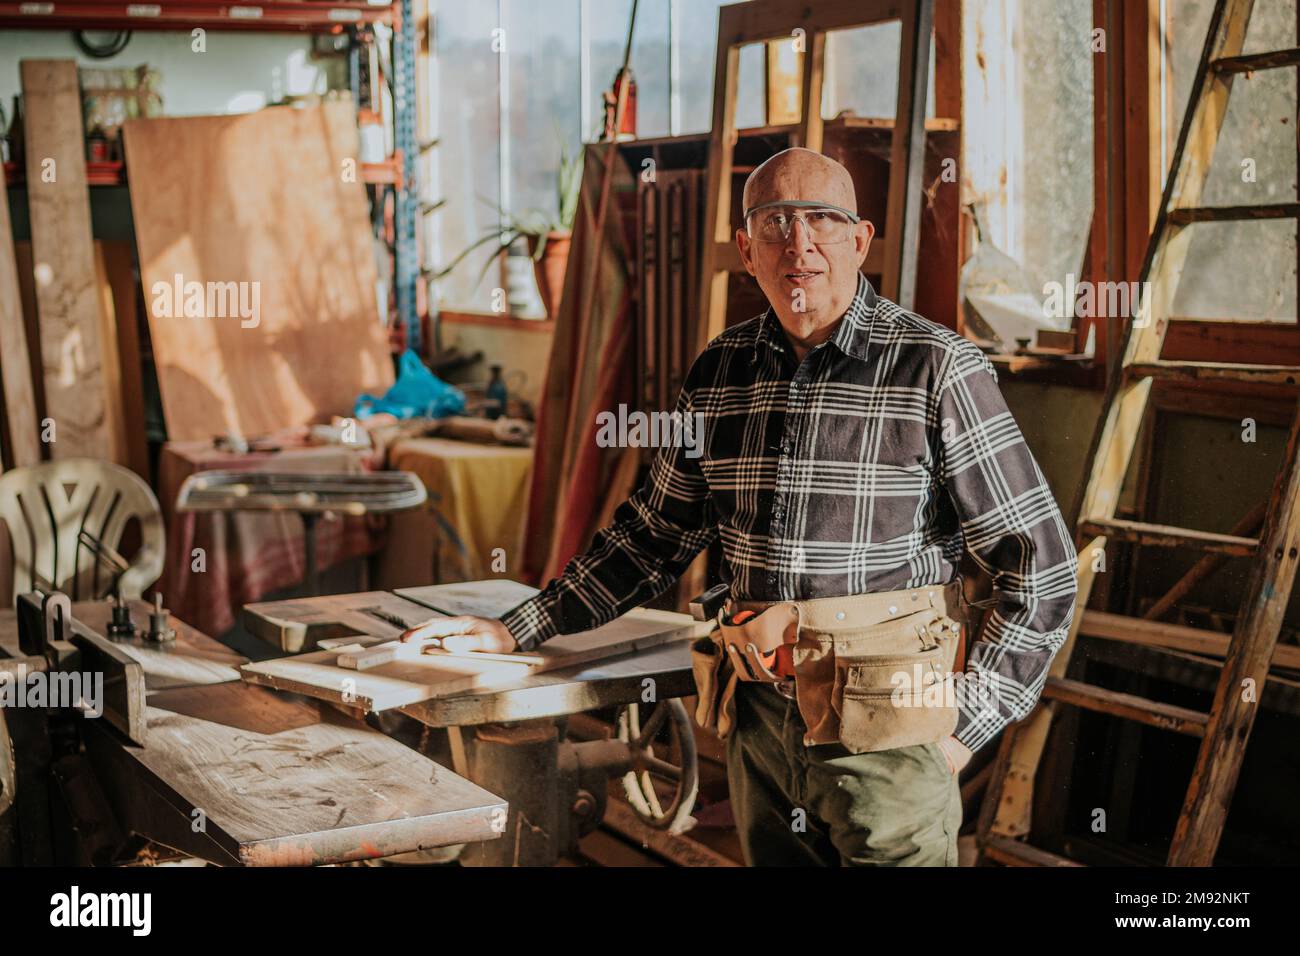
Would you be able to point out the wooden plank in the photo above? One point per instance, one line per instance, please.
(1257, 61)
(119, 272)
(291, 231)
(304, 624)
(480, 598)
(1185, 216)
(406, 682)
(1288, 375)
(1014, 853)
(72, 352)
(288, 793)
(21, 443)
(1130, 630)
(1129, 706)
(1167, 536)
(907, 155)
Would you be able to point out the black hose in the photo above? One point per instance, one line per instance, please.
(112, 48)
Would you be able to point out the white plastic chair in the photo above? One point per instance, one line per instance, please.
(47, 506)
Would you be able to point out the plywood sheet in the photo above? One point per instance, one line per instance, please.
(67, 294)
(267, 201)
(19, 398)
(407, 682)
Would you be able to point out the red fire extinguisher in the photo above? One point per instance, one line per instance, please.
(627, 129)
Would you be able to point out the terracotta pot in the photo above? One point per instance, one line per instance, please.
(550, 268)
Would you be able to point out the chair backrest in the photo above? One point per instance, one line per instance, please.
(47, 506)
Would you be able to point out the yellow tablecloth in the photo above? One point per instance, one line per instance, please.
(478, 497)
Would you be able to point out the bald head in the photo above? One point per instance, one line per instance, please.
(800, 174)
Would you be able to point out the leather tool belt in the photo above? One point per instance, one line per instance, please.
(869, 671)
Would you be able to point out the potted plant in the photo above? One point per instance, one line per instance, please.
(548, 234)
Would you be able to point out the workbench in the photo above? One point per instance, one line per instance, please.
(238, 774)
(555, 788)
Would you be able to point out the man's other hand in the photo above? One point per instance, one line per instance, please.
(958, 754)
(465, 633)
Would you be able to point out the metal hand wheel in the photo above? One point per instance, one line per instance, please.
(661, 791)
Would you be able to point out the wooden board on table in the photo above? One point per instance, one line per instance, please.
(305, 624)
(407, 682)
(262, 200)
(479, 598)
(295, 783)
(19, 397)
(67, 299)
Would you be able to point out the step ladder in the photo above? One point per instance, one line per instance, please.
(1006, 811)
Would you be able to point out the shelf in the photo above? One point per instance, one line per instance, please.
(387, 173)
(310, 16)
(97, 174)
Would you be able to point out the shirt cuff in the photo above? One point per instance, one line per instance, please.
(979, 720)
(530, 623)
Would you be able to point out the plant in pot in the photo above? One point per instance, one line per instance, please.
(548, 235)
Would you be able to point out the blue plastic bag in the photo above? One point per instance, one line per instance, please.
(417, 391)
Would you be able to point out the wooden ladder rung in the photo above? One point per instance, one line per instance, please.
(1170, 370)
(1142, 710)
(1190, 214)
(1011, 852)
(1176, 637)
(1271, 60)
(1168, 536)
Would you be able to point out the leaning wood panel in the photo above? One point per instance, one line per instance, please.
(67, 298)
(19, 399)
(262, 211)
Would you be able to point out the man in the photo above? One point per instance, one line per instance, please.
(850, 450)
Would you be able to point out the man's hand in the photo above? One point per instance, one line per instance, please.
(461, 634)
(957, 753)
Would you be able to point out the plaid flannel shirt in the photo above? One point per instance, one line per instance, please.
(866, 467)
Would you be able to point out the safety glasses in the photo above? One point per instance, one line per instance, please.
(772, 221)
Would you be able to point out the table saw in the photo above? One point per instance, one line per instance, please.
(189, 756)
(279, 762)
(515, 712)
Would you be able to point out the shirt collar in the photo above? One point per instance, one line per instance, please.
(852, 336)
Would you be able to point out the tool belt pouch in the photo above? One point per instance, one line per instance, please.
(893, 683)
(747, 643)
(715, 686)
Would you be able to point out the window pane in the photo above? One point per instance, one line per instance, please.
(697, 34)
(468, 156)
(544, 87)
(1057, 191)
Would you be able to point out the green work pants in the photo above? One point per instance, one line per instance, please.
(823, 805)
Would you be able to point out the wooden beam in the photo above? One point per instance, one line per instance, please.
(907, 154)
(1268, 590)
(1167, 536)
(1181, 720)
(72, 353)
(21, 443)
